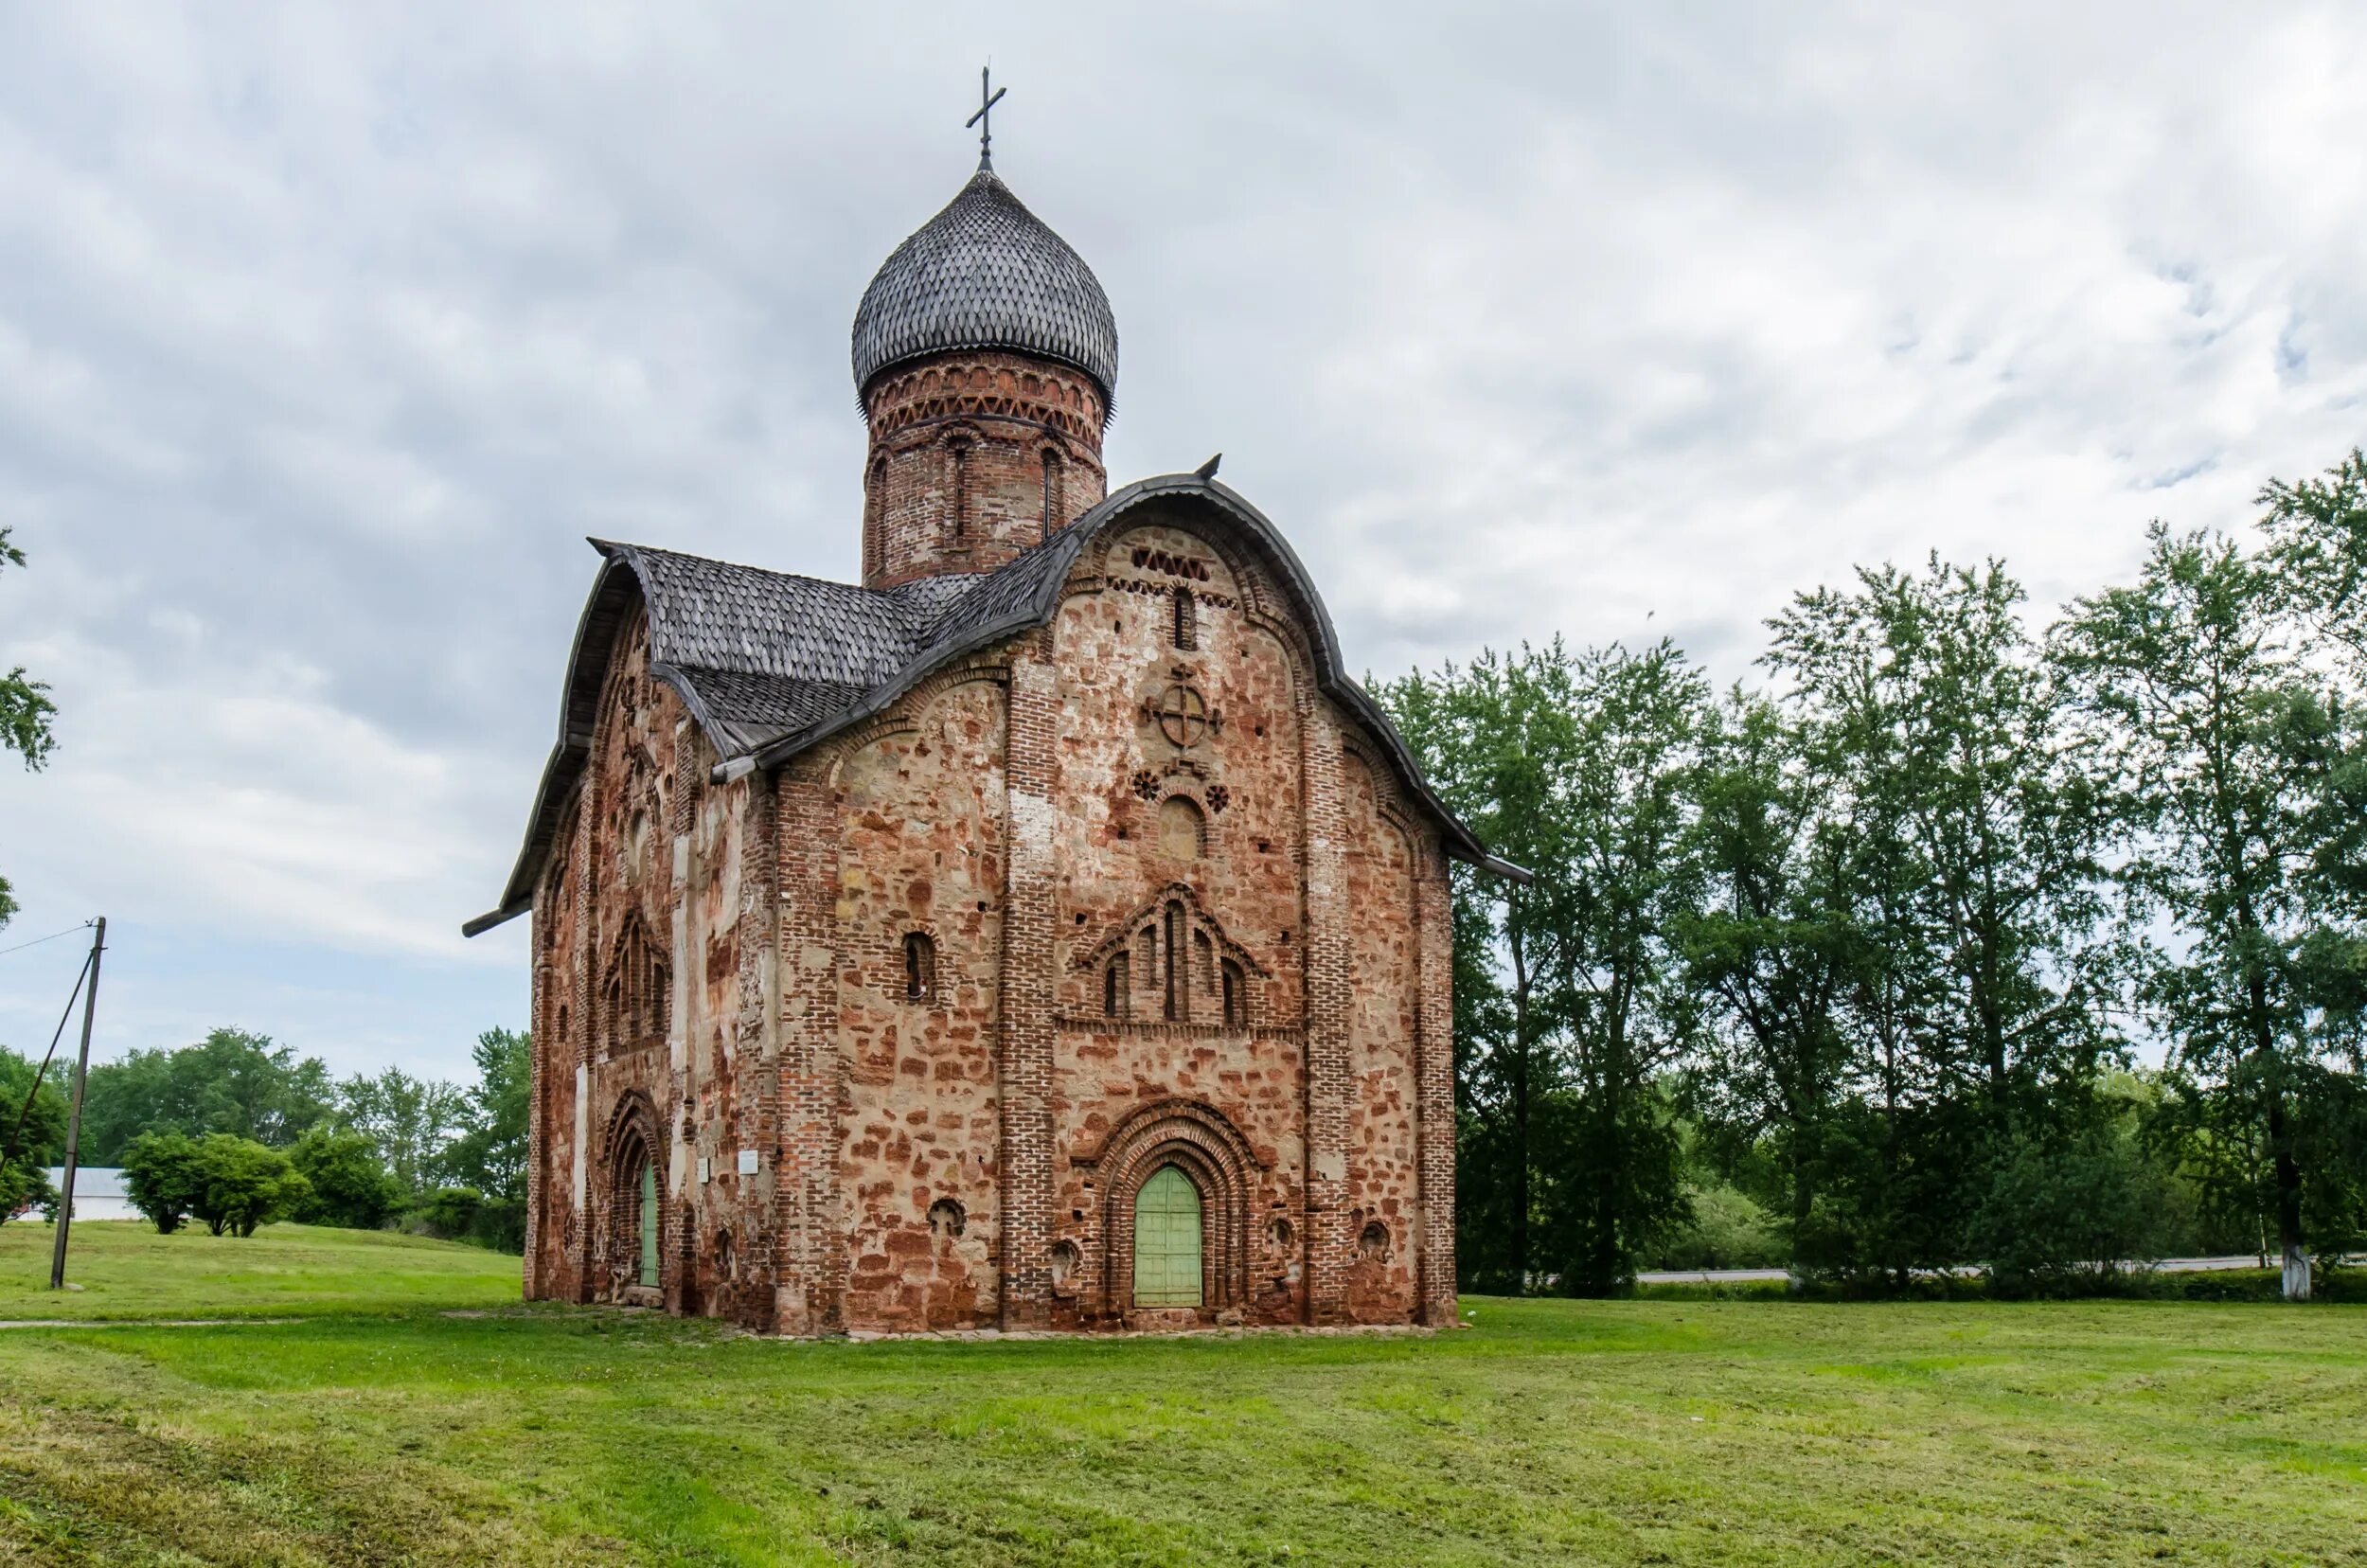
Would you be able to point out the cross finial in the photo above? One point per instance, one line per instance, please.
(987, 100)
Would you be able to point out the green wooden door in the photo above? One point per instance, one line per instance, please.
(1167, 1241)
(648, 1222)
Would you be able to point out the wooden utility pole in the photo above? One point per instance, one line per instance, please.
(74, 1115)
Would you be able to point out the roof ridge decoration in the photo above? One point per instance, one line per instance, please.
(986, 273)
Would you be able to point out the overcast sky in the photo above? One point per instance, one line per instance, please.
(328, 332)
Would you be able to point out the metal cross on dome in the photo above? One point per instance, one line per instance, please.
(986, 126)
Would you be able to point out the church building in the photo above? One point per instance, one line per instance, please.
(1044, 932)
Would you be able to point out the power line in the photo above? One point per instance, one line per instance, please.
(51, 937)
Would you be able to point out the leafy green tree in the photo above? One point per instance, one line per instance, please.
(242, 1184)
(491, 1154)
(32, 1134)
(162, 1178)
(2317, 555)
(1496, 738)
(231, 1082)
(2223, 742)
(1615, 898)
(346, 1183)
(27, 714)
(1973, 852)
(1773, 948)
(413, 1122)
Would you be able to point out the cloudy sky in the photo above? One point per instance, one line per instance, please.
(328, 332)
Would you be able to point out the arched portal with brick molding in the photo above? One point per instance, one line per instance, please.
(635, 1228)
(1161, 1144)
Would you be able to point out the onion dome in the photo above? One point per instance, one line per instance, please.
(986, 273)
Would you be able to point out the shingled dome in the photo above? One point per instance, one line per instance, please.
(986, 273)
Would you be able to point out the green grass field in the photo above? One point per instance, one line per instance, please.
(379, 1430)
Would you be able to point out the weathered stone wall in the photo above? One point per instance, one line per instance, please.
(942, 994)
(650, 937)
(918, 957)
(1181, 847)
(975, 457)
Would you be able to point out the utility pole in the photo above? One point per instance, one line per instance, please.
(74, 1115)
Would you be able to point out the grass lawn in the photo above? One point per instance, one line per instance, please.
(125, 1270)
(1554, 1432)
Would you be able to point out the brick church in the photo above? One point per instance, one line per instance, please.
(1043, 933)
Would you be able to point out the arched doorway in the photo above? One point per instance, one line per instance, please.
(1168, 1240)
(633, 1235)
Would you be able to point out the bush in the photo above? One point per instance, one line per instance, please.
(160, 1176)
(2059, 1219)
(1727, 1231)
(24, 1186)
(448, 1213)
(242, 1184)
(348, 1183)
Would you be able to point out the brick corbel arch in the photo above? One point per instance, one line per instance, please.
(1198, 1140)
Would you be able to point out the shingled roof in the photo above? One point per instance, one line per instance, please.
(769, 664)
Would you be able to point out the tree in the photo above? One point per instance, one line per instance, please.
(412, 1121)
(346, 1183)
(2317, 555)
(491, 1155)
(161, 1177)
(1495, 738)
(1615, 899)
(231, 1082)
(2225, 747)
(242, 1184)
(1973, 853)
(1773, 947)
(25, 718)
(32, 1133)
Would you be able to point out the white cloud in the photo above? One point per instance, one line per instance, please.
(327, 334)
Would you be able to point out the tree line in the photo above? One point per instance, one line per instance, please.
(1952, 941)
(236, 1131)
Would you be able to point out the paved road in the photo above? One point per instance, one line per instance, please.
(1739, 1276)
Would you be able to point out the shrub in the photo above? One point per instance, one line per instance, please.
(24, 1186)
(242, 1184)
(2060, 1217)
(160, 1176)
(448, 1212)
(1727, 1231)
(348, 1183)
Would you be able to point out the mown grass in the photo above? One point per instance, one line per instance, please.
(1551, 1433)
(124, 1268)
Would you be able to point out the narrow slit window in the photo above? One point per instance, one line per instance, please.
(1177, 999)
(921, 967)
(1236, 995)
(1113, 988)
(1051, 476)
(961, 488)
(1186, 627)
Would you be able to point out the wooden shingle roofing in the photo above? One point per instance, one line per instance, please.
(769, 664)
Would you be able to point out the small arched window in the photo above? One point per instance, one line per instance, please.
(660, 995)
(1176, 998)
(1115, 990)
(921, 967)
(958, 448)
(1236, 995)
(947, 1219)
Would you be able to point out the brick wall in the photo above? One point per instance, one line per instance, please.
(973, 458)
(1176, 910)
